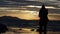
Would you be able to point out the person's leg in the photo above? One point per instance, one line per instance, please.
(40, 29)
(45, 29)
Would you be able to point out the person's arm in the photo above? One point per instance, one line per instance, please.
(47, 11)
(40, 13)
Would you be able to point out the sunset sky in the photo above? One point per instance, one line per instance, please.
(30, 12)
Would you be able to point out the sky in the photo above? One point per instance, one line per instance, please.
(29, 11)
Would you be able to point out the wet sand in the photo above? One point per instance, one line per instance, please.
(30, 33)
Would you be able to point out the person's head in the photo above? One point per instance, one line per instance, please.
(43, 6)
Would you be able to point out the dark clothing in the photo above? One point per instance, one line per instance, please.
(43, 12)
(43, 16)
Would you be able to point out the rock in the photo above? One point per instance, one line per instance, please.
(37, 30)
(3, 28)
(32, 29)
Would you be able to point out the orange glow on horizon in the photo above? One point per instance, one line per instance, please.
(30, 15)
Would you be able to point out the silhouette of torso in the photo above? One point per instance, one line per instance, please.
(43, 15)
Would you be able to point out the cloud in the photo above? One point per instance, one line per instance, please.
(52, 0)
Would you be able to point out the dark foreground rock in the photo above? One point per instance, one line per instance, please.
(3, 28)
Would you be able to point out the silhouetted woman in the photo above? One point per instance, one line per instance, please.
(43, 12)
